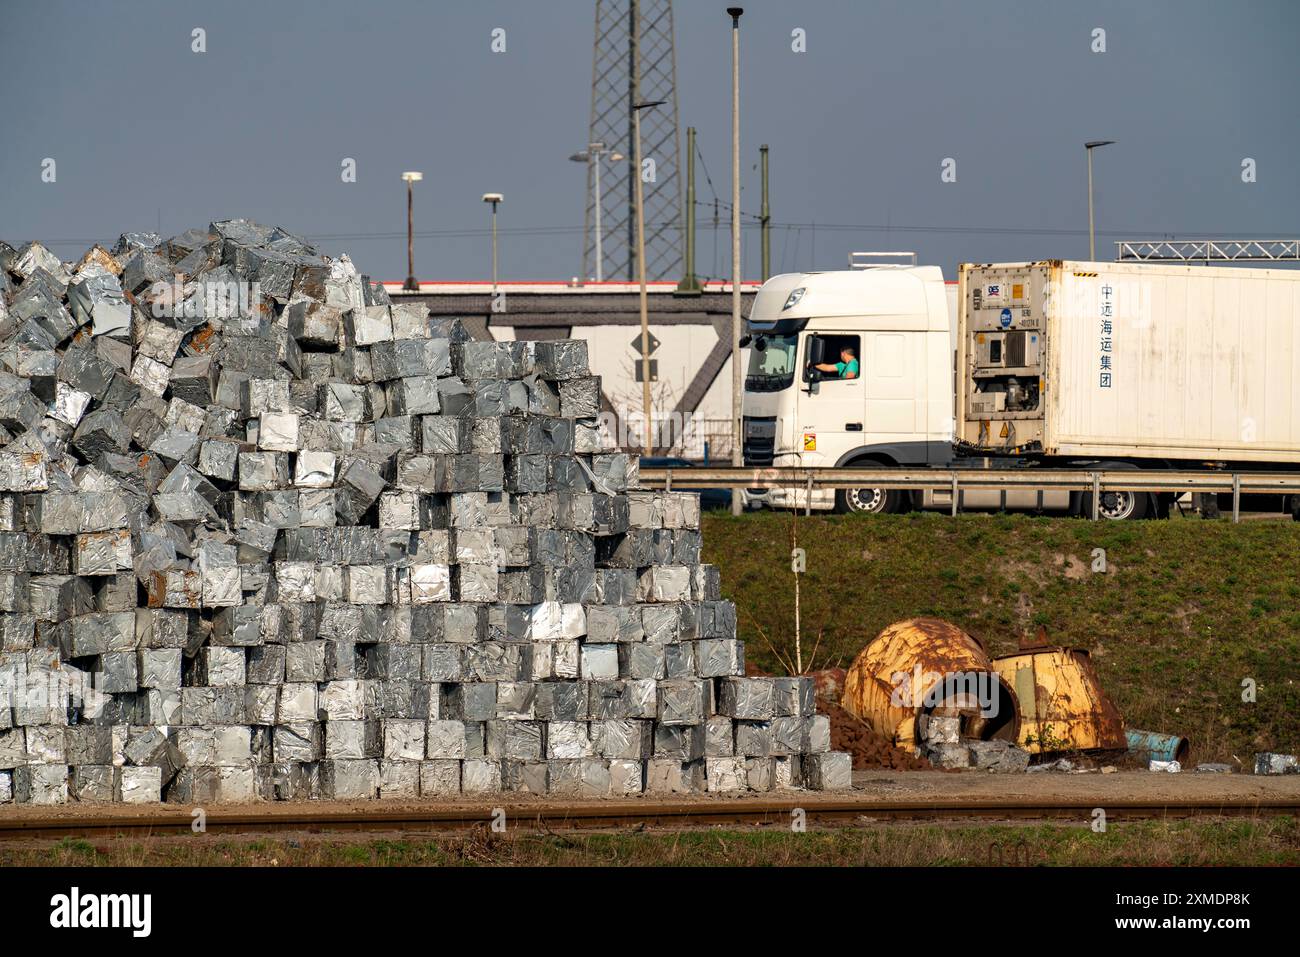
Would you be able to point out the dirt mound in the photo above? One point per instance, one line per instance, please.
(869, 750)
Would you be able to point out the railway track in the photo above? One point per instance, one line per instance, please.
(624, 815)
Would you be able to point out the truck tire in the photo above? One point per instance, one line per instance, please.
(1118, 506)
(870, 501)
(1295, 508)
(867, 501)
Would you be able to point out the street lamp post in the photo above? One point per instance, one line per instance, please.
(647, 407)
(591, 156)
(737, 382)
(411, 285)
(496, 199)
(1092, 238)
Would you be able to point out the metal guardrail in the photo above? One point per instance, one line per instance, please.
(957, 480)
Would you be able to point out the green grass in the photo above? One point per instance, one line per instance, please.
(1274, 841)
(1185, 613)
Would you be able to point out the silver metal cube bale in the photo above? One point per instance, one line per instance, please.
(681, 702)
(747, 698)
(581, 777)
(672, 776)
(480, 776)
(828, 771)
(726, 774)
(41, 784)
(349, 779)
(399, 779)
(439, 778)
(138, 785)
(720, 657)
(354, 739)
(300, 742)
(404, 739)
(93, 783)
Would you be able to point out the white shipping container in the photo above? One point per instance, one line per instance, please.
(1130, 361)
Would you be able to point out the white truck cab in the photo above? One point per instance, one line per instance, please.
(897, 409)
(900, 323)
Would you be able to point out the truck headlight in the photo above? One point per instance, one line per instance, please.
(793, 299)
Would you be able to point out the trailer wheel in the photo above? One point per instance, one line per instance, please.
(1118, 506)
(1295, 508)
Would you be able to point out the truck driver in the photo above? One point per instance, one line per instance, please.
(846, 368)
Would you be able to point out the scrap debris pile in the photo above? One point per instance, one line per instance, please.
(929, 689)
(266, 535)
(946, 747)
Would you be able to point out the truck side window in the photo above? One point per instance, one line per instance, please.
(841, 358)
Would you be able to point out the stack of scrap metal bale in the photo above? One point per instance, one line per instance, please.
(266, 535)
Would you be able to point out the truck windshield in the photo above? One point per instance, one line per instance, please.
(771, 362)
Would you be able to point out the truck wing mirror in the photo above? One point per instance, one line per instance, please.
(816, 350)
(815, 356)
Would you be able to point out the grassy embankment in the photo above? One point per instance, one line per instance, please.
(1186, 611)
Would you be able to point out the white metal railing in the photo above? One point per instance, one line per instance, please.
(1208, 250)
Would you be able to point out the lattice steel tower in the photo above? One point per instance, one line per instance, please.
(634, 61)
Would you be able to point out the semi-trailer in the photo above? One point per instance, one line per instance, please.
(1051, 363)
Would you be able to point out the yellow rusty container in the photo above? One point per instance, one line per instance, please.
(900, 675)
(1061, 704)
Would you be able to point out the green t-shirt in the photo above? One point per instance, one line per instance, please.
(844, 369)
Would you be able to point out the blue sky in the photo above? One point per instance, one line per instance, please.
(146, 132)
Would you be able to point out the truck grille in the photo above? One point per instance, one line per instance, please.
(760, 440)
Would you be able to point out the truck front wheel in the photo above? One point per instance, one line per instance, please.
(868, 501)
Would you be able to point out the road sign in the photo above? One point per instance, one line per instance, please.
(636, 344)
